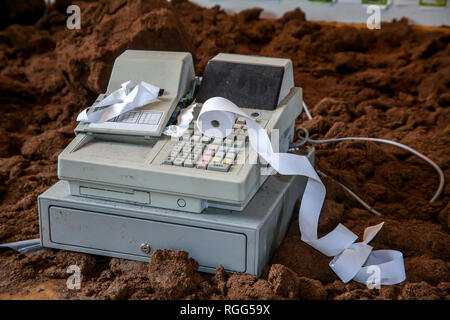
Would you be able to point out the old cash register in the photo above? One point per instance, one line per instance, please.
(126, 189)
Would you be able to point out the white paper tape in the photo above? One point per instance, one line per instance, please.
(351, 260)
(120, 101)
(24, 246)
(183, 120)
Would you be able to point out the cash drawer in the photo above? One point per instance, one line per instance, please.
(125, 235)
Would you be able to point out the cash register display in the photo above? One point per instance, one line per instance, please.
(246, 85)
(143, 120)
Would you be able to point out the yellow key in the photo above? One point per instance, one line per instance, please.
(228, 161)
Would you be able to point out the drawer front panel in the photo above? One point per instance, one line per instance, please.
(125, 235)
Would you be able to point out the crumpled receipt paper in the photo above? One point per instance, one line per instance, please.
(352, 260)
(120, 101)
(183, 120)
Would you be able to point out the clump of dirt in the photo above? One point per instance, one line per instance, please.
(173, 274)
(26, 12)
(391, 83)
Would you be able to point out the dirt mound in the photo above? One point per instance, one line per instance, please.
(391, 83)
(88, 54)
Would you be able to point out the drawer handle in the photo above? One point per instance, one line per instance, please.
(145, 248)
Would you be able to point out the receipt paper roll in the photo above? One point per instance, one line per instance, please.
(352, 260)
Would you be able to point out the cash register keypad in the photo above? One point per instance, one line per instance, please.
(195, 150)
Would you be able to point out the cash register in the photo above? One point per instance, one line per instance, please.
(126, 189)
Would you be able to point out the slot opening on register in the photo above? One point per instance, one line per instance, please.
(129, 195)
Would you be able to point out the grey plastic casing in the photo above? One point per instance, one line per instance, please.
(108, 165)
(171, 71)
(116, 198)
(239, 241)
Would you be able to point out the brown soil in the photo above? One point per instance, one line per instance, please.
(392, 83)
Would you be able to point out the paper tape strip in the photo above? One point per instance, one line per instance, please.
(183, 120)
(351, 260)
(120, 101)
